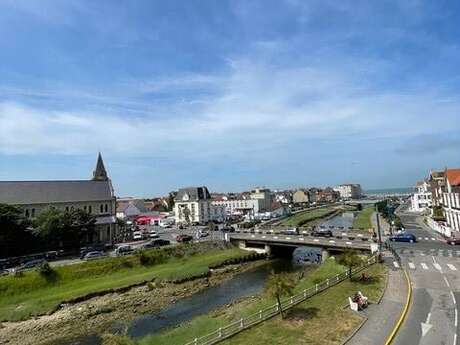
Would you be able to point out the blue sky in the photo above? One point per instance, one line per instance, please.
(229, 94)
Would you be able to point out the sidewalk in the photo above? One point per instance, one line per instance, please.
(382, 317)
(384, 226)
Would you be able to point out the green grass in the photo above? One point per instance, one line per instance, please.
(33, 294)
(304, 217)
(363, 219)
(322, 315)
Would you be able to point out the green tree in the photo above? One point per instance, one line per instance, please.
(279, 285)
(350, 259)
(171, 197)
(15, 237)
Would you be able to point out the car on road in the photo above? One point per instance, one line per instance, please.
(156, 243)
(203, 234)
(137, 236)
(94, 256)
(153, 234)
(321, 233)
(228, 229)
(184, 238)
(86, 250)
(291, 231)
(403, 237)
(124, 250)
(453, 240)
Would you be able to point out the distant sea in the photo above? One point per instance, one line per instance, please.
(389, 191)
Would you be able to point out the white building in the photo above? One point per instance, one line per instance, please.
(349, 191)
(421, 200)
(193, 205)
(451, 199)
(249, 205)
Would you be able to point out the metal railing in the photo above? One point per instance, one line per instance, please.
(267, 313)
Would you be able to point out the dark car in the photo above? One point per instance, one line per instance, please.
(184, 238)
(228, 229)
(94, 255)
(156, 243)
(86, 250)
(404, 237)
(321, 233)
(453, 240)
(29, 265)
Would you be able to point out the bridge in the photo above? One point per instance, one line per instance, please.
(266, 242)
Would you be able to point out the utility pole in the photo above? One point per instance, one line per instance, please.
(378, 227)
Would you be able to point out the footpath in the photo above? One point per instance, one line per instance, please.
(381, 318)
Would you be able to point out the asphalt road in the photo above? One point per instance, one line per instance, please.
(434, 269)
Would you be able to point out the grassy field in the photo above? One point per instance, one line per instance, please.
(302, 218)
(320, 320)
(35, 294)
(363, 219)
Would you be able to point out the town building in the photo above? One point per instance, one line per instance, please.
(129, 208)
(349, 191)
(96, 196)
(249, 204)
(451, 199)
(301, 196)
(421, 200)
(327, 195)
(437, 183)
(193, 205)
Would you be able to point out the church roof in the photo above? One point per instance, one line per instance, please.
(47, 192)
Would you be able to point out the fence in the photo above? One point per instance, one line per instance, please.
(267, 313)
(394, 252)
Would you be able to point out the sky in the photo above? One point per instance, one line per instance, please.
(229, 94)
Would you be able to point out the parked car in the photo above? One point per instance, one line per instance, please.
(228, 229)
(123, 250)
(153, 234)
(28, 265)
(94, 256)
(321, 233)
(94, 248)
(204, 234)
(403, 237)
(292, 231)
(184, 238)
(156, 243)
(137, 236)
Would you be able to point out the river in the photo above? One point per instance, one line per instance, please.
(243, 285)
(344, 220)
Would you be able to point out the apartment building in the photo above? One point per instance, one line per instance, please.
(421, 200)
(451, 199)
(349, 191)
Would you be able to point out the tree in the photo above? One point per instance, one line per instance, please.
(15, 237)
(350, 259)
(171, 197)
(279, 285)
(64, 229)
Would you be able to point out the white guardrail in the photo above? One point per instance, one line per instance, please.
(267, 313)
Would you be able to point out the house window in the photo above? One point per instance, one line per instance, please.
(90, 209)
(67, 208)
(27, 213)
(33, 212)
(106, 208)
(84, 208)
(102, 208)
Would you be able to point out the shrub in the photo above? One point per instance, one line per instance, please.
(45, 269)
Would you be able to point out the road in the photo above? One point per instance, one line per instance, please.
(434, 269)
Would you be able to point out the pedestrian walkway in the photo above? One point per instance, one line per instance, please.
(382, 317)
(428, 266)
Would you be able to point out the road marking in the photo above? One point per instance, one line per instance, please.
(447, 282)
(419, 238)
(331, 241)
(411, 265)
(426, 326)
(315, 240)
(288, 238)
(424, 266)
(348, 243)
(275, 237)
(301, 238)
(456, 318)
(426, 238)
(452, 267)
(455, 339)
(395, 264)
(438, 267)
(453, 297)
(253, 235)
(433, 239)
(264, 236)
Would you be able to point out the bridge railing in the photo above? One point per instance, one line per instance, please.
(273, 310)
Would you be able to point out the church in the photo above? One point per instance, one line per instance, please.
(95, 196)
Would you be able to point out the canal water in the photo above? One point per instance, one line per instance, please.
(245, 284)
(344, 220)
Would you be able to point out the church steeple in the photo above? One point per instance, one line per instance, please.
(100, 174)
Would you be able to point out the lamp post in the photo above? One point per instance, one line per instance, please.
(378, 227)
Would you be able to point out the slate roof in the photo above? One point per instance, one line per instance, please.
(47, 192)
(194, 193)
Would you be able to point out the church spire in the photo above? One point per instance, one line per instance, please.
(100, 174)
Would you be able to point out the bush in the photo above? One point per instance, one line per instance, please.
(45, 269)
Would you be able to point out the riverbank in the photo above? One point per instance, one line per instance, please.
(312, 217)
(363, 221)
(322, 317)
(98, 314)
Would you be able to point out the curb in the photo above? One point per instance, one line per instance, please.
(404, 312)
(356, 330)
(387, 277)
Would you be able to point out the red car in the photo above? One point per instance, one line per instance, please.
(184, 238)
